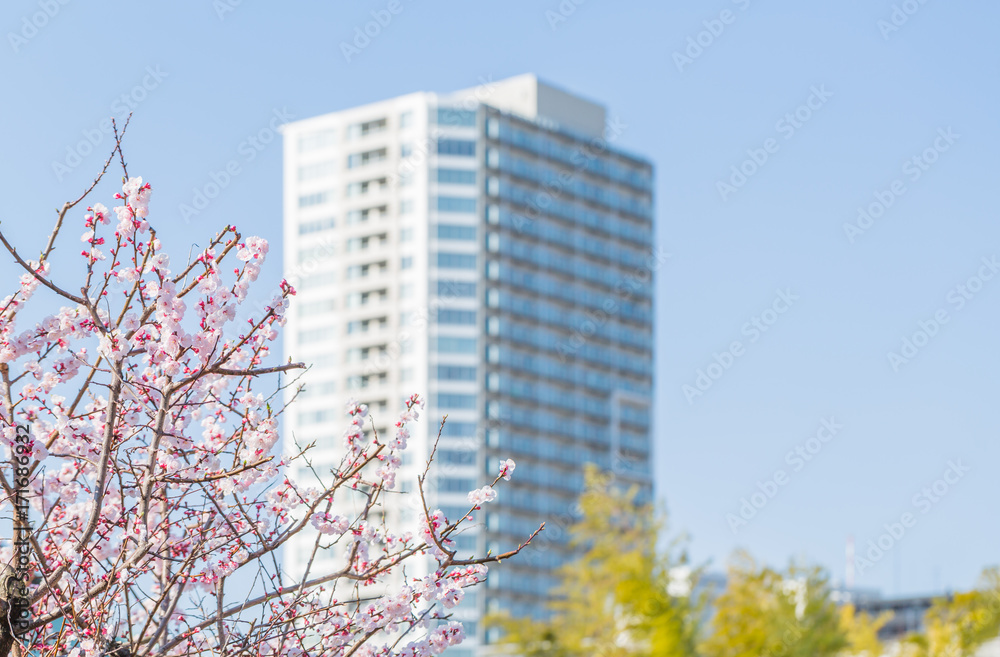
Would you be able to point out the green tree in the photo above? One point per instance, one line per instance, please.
(622, 596)
(861, 632)
(956, 626)
(764, 612)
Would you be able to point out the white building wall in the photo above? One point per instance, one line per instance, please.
(334, 294)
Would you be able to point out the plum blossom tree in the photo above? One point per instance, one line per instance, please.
(136, 426)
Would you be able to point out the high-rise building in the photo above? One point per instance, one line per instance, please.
(491, 249)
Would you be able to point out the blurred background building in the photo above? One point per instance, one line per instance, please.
(492, 249)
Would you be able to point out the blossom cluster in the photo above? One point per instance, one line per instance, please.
(156, 474)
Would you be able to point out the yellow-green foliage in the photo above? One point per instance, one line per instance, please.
(613, 599)
(614, 602)
(764, 612)
(957, 626)
(861, 632)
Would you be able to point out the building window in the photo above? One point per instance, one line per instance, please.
(467, 543)
(455, 116)
(454, 401)
(316, 417)
(362, 243)
(359, 354)
(318, 388)
(456, 176)
(315, 335)
(363, 271)
(454, 429)
(366, 325)
(461, 147)
(455, 232)
(318, 250)
(454, 457)
(362, 187)
(363, 159)
(312, 141)
(318, 170)
(456, 373)
(447, 344)
(492, 128)
(325, 361)
(456, 260)
(450, 485)
(316, 226)
(453, 316)
(315, 280)
(309, 200)
(406, 150)
(406, 235)
(361, 216)
(356, 299)
(406, 262)
(407, 206)
(454, 204)
(311, 308)
(448, 289)
(371, 127)
(360, 382)
(406, 119)
(366, 128)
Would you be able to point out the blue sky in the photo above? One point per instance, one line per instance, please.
(205, 77)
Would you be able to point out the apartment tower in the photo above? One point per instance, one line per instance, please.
(492, 250)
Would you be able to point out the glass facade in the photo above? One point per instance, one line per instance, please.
(564, 355)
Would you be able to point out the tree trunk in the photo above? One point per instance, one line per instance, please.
(13, 597)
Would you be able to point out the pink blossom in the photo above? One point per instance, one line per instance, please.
(254, 248)
(158, 469)
(482, 495)
(507, 469)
